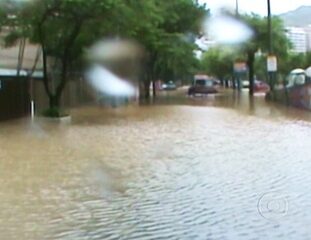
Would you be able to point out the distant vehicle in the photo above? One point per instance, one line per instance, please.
(297, 77)
(261, 86)
(169, 86)
(202, 84)
(245, 83)
(217, 82)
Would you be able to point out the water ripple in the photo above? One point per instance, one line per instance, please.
(193, 173)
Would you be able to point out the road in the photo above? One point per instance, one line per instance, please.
(216, 167)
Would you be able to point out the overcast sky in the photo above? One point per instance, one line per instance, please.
(258, 6)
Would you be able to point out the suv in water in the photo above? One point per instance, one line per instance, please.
(202, 85)
(169, 86)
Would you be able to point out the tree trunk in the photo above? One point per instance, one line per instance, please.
(154, 91)
(45, 77)
(54, 102)
(54, 97)
(250, 63)
(63, 79)
(222, 82)
(147, 89)
(149, 76)
(226, 83)
(66, 59)
(144, 84)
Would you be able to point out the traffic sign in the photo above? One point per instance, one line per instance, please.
(272, 64)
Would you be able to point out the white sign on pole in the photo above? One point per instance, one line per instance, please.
(272, 64)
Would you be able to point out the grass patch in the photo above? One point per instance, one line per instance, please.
(54, 113)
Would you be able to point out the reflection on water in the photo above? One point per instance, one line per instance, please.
(185, 168)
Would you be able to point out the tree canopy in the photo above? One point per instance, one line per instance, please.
(65, 28)
(219, 61)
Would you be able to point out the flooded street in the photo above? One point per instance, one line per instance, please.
(203, 168)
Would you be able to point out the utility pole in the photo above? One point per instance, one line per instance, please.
(269, 27)
(237, 80)
(237, 8)
(271, 60)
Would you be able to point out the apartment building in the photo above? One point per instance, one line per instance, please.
(299, 38)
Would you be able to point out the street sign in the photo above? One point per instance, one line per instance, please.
(272, 64)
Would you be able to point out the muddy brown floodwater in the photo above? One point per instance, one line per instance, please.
(184, 168)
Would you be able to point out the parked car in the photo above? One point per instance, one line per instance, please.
(169, 86)
(202, 86)
(297, 77)
(245, 83)
(261, 86)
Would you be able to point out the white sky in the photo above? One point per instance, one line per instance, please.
(257, 6)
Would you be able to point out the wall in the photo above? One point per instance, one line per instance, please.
(76, 93)
(14, 97)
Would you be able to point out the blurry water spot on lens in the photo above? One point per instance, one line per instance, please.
(35, 129)
(227, 30)
(188, 37)
(115, 70)
(109, 84)
(108, 181)
(114, 50)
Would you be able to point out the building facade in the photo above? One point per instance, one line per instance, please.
(299, 38)
(308, 31)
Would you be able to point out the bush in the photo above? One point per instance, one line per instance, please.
(53, 113)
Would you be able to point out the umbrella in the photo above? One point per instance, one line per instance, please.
(297, 71)
(308, 71)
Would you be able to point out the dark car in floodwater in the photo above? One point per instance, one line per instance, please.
(202, 86)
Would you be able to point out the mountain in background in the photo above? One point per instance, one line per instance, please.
(301, 17)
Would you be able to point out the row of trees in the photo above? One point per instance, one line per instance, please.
(219, 61)
(65, 28)
(166, 30)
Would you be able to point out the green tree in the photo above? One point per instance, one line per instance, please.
(308, 59)
(218, 61)
(295, 60)
(280, 45)
(163, 34)
(62, 29)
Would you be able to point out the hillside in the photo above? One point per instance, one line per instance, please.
(301, 17)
